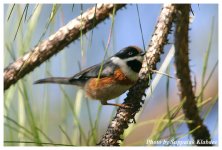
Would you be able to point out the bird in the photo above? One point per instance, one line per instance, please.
(109, 79)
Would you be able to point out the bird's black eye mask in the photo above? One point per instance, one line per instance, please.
(127, 52)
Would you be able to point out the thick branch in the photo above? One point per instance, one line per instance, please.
(56, 42)
(123, 116)
(200, 131)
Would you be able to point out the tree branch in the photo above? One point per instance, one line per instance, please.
(56, 42)
(134, 97)
(200, 131)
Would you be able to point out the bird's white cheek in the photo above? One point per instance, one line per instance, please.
(124, 67)
(140, 59)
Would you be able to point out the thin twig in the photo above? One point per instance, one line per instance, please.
(141, 30)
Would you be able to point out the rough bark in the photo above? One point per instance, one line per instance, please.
(124, 117)
(56, 42)
(198, 130)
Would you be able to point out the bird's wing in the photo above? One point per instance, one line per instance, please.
(108, 69)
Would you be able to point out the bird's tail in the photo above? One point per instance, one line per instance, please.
(55, 80)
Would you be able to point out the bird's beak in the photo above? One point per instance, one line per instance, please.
(142, 54)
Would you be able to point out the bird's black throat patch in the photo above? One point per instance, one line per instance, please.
(135, 65)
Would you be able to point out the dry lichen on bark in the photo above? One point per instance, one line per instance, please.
(124, 117)
(56, 42)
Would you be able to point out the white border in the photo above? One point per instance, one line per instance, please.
(99, 1)
(110, 1)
